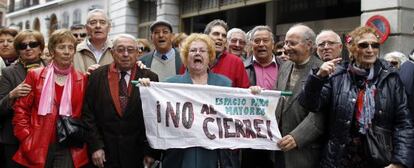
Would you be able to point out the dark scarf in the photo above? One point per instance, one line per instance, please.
(31, 65)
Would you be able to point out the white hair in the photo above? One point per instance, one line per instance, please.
(396, 55)
(119, 36)
(236, 30)
(90, 13)
(323, 32)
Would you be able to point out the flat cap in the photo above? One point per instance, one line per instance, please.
(160, 22)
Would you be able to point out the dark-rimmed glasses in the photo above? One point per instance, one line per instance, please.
(82, 35)
(32, 44)
(366, 45)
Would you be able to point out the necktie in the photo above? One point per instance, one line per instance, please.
(164, 57)
(123, 92)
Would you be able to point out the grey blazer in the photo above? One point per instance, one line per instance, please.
(305, 127)
(12, 76)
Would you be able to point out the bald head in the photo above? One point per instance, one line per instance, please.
(329, 45)
(299, 43)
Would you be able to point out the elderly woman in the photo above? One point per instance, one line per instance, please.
(29, 46)
(362, 98)
(57, 90)
(198, 53)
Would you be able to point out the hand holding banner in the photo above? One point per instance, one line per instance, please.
(212, 117)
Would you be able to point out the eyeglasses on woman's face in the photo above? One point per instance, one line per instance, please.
(364, 45)
(32, 44)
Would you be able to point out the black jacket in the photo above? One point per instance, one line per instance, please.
(122, 137)
(337, 97)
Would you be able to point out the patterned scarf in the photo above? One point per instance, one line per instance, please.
(32, 65)
(365, 102)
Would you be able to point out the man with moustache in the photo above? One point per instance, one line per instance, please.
(112, 110)
(237, 42)
(329, 45)
(7, 51)
(301, 129)
(226, 64)
(95, 49)
(164, 60)
(262, 69)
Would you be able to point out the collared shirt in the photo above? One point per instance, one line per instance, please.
(266, 76)
(127, 76)
(170, 54)
(96, 52)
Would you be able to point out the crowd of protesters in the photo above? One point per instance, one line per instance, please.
(82, 76)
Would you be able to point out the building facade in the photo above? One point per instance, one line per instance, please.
(135, 16)
(49, 15)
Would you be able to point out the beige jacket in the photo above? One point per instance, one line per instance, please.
(84, 56)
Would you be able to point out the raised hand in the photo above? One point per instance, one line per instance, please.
(327, 68)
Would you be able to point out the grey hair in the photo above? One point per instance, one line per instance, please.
(262, 28)
(116, 39)
(90, 13)
(308, 34)
(337, 37)
(216, 22)
(398, 55)
(236, 30)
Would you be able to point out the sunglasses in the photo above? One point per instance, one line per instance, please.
(279, 53)
(366, 45)
(82, 35)
(32, 44)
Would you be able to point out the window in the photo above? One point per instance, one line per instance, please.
(27, 25)
(77, 15)
(65, 20)
(148, 11)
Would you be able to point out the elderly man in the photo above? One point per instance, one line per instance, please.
(262, 69)
(165, 60)
(113, 111)
(79, 31)
(226, 64)
(7, 51)
(237, 41)
(301, 129)
(329, 45)
(95, 49)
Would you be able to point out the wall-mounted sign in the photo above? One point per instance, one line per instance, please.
(381, 25)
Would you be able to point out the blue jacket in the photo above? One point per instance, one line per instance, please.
(195, 157)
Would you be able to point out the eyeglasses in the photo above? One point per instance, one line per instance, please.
(366, 45)
(279, 53)
(82, 35)
(129, 50)
(32, 44)
(327, 43)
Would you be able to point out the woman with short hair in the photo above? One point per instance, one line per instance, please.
(57, 90)
(362, 98)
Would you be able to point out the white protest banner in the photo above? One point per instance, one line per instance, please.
(212, 117)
